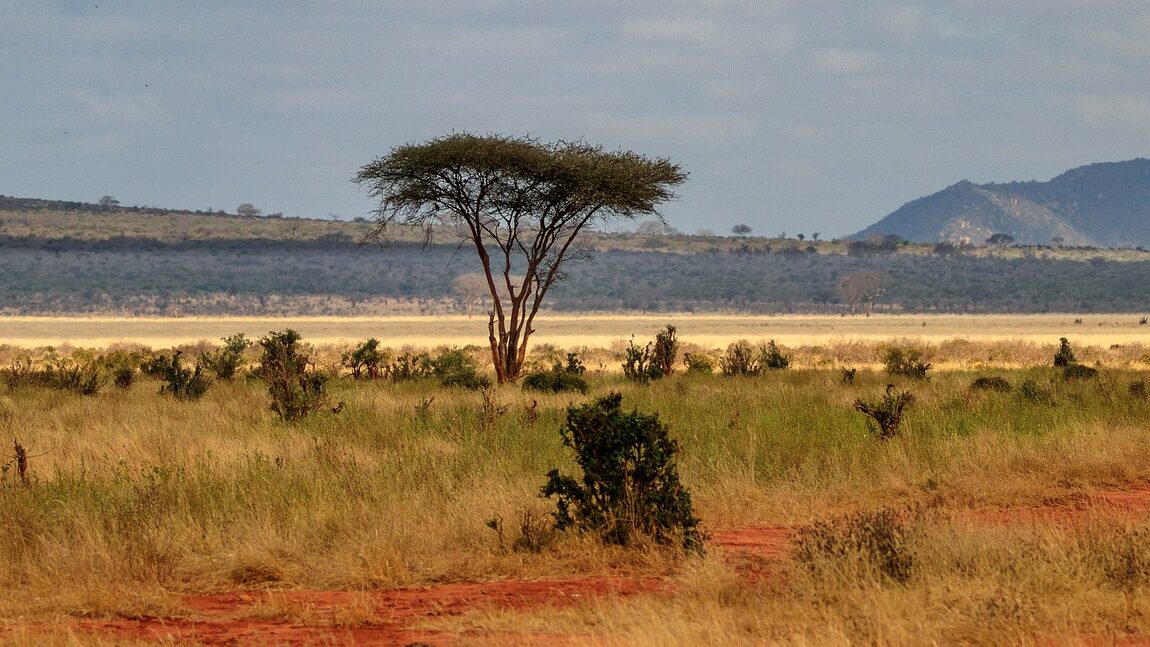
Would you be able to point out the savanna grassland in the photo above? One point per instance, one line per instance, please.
(403, 510)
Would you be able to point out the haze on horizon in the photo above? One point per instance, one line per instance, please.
(791, 116)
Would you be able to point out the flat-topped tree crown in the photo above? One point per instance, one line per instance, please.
(522, 203)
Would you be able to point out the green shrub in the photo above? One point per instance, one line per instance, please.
(848, 375)
(1029, 391)
(666, 350)
(906, 362)
(22, 372)
(630, 482)
(993, 383)
(886, 412)
(560, 378)
(184, 383)
(456, 367)
(410, 366)
(639, 363)
(228, 359)
(85, 377)
(366, 361)
(741, 359)
(295, 390)
(155, 365)
(698, 364)
(1064, 356)
(1078, 372)
(123, 377)
(773, 358)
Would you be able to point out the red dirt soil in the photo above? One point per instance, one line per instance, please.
(393, 617)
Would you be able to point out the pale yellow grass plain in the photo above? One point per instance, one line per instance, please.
(574, 331)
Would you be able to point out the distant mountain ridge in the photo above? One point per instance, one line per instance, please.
(1106, 204)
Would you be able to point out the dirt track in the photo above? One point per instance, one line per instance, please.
(395, 617)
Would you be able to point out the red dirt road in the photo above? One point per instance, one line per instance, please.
(394, 617)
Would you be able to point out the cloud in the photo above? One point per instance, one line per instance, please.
(1115, 111)
(850, 62)
(674, 29)
(122, 108)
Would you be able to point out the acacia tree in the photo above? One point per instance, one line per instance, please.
(863, 288)
(522, 204)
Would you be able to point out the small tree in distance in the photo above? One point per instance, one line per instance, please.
(862, 289)
(522, 204)
(1000, 240)
(741, 230)
(248, 210)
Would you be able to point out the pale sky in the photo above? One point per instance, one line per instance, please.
(791, 115)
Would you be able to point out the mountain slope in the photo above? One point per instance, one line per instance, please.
(1105, 204)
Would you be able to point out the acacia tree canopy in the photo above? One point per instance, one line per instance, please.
(522, 203)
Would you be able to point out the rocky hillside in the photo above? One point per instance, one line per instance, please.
(1103, 205)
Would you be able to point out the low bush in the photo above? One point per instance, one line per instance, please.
(993, 383)
(85, 377)
(698, 364)
(773, 358)
(367, 361)
(1030, 391)
(295, 388)
(456, 367)
(1065, 355)
(228, 359)
(741, 359)
(184, 383)
(561, 377)
(1078, 372)
(410, 366)
(630, 484)
(906, 362)
(886, 412)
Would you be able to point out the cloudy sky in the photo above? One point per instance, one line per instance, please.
(791, 115)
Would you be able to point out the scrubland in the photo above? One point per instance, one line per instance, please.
(992, 516)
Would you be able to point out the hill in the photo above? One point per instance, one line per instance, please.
(60, 258)
(1103, 205)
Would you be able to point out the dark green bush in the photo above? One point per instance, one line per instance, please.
(228, 359)
(639, 363)
(560, 378)
(1064, 356)
(666, 350)
(410, 366)
(123, 377)
(1078, 372)
(741, 359)
(630, 484)
(295, 388)
(85, 377)
(773, 358)
(698, 364)
(456, 367)
(184, 383)
(848, 375)
(906, 362)
(993, 383)
(155, 365)
(366, 361)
